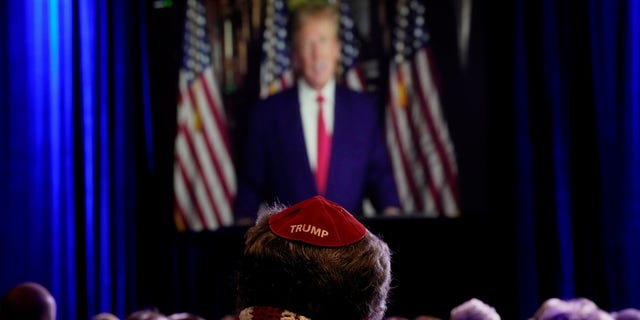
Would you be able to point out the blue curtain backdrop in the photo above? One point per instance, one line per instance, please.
(70, 85)
(563, 112)
(574, 89)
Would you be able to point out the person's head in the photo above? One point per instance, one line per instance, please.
(146, 314)
(315, 259)
(626, 314)
(474, 309)
(105, 316)
(26, 301)
(315, 42)
(185, 316)
(574, 308)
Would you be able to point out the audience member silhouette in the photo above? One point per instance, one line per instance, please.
(474, 309)
(185, 316)
(570, 309)
(147, 314)
(28, 301)
(626, 314)
(105, 316)
(313, 260)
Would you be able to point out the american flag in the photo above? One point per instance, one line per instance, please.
(275, 69)
(421, 151)
(352, 70)
(204, 178)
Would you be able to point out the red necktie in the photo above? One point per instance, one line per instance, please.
(324, 150)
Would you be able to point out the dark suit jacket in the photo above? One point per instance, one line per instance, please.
(275, 169)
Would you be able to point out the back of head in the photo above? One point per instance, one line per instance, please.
(575, 308)
(28, 301)
(184, 316)
(147, 314)
(105, 316)
(626, 314)
(474, 309)
(316, 260)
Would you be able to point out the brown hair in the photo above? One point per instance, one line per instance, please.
(350, 282)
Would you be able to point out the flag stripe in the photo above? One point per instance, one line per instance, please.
(190, 166)
(398, 143)
(201, 187)
(186, 206)
(205, 160)
(204, 177)
(443, 157)
(421, 150)
(217, 139)
(185, 195)
(424, 138)
(417, 161)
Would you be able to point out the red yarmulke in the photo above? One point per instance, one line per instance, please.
(319, 222)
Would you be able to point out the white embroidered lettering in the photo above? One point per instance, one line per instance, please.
(306, 228)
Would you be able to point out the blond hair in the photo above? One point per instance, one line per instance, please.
(313, 10)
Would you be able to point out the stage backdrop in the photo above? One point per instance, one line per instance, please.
(545, 127)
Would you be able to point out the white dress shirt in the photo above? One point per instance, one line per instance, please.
(309, 113)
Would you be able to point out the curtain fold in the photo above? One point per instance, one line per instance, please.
(577, 128)
(74, 108)
(615, 62)
(67, 151)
